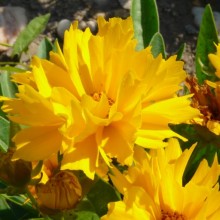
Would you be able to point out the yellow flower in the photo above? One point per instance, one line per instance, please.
(215, 60)
(207, 97)
(153, 188)
(96, 99)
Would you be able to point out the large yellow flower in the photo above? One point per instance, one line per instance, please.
(96, 99)
(153, 188)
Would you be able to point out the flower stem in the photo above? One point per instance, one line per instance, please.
(30, 196)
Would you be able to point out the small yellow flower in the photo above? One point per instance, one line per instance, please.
(96, 99)
(153, 187)
(207, 97)
(62, 192)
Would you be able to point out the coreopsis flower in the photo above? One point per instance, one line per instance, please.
(207, 97)
(97, 98)
(153, 187)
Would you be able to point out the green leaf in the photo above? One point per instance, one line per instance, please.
(158, 46)
(4, 134)
(11, 69)
(7, 86)
(21, 209)
(56, 46)
(44, 48)
(85, 215)
(5, 210)
(83, 211)
(207, 39)
(100, 195)
(207, 146)
(33, 29)
(2, 114)
(180, 51)
(84, 205)
(145, 20)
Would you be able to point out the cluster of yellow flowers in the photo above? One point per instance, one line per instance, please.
(99, 100)
(153, 188)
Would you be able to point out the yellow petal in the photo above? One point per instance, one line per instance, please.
(37, 143)
(84, 156)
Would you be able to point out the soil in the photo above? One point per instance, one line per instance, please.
(176, 19)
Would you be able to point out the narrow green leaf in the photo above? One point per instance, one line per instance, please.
(207, 39)
(33, 29)
(146, 21)
(44, 48)
(11, 69)
(2, 114)
(7, 86)
(158, 46)
(5, 210)
(4, 134)
(22, 201)
(100, 195)
(20, 207)
(207, 146)
(56, 46)
(180, 51)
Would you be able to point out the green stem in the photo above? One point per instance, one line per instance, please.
(34, 202)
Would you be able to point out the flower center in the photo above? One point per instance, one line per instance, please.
(167, 215)
(97, 96)
(204, 99)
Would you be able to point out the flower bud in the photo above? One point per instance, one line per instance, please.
(15, 173)
(61, 192)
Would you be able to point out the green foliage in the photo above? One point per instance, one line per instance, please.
(85, 215)
(7, 86)
(11, 69)
(5, 210)
(207, 146)
(145, 20)
(4, 134)
(207, 39)
(16, 207)
(158, 46)
(101, 194)
(44, 49)
(33, 29)
(180, 51)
